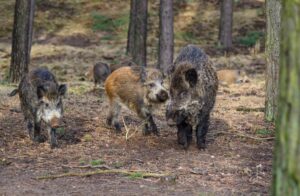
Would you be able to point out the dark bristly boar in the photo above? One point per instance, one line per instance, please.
(41, 100)
(140, 89)
(193, 89)
(100, 72)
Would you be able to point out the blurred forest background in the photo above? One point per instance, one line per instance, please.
(71, 35)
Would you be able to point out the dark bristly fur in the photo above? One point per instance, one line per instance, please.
(193, 89)
(101, 72)
(40, 97)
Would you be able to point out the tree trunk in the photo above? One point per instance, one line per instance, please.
(21, 39)
(131, 28)
(286, 171)
(166, 37)
(140, 34)
(273, 8)
(225, 31)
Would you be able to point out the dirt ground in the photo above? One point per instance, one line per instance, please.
(236, 161)
(238, 158)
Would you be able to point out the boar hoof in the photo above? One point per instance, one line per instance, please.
(109, 121)
(118, 129)
(40, 139)
(146, 131)
(201, 145)
(54, 145)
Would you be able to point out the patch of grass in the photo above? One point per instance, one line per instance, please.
(78, 90)
(97, 162)
(118, 164)
(251, 38)
(136, 175)
(87, 138)
(81, 162)
(187, 36)
(109, 24)
(263, 132)
(60, 130)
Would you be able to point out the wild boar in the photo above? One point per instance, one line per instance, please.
(227, 76)
(193, 89)
(140, 89)
(100, 72)
(41, 100)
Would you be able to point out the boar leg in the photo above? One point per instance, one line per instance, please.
(150, 126)
(30, 129)
(37, 132)
(184, 134)
(113, 116)
(52, 137)
(201, 132)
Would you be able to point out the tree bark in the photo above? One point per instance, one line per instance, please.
(21, 39)
(273, 9)
(131, 28)
(286, 171)
(166, 36)
(140, 35)
(225, 31)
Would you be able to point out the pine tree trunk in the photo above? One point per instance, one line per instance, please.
(225, 31)
(21, 39)
(286, 171)
(273, 8)
(140, 34)
(131, 28)
(166, 37)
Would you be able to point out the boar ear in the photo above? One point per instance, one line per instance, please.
(191, 77)
(62, 89)
(41, 90)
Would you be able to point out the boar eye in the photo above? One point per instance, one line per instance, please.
(152, 85)
(47, 105)
(183, 94)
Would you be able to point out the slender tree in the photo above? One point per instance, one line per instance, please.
(21, 39)
(137, 31)
(166, 35)
(140, 35)
(273, 9)
(286, 171)
(225, 28)
(131, 28)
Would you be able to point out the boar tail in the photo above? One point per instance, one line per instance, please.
(13, 93)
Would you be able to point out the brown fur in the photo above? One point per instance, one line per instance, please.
(130, 86)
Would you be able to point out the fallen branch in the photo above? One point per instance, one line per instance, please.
(245, 135)
(103, 167)
(142, 174)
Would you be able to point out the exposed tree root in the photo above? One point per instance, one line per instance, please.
(141, 174)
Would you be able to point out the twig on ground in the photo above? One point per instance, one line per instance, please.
(103, 167)
(245, 135)
(126, 129)
(112, 171)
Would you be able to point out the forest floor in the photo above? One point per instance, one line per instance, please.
(238, 158)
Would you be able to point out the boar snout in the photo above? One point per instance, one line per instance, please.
(55, 122)
(162, 96)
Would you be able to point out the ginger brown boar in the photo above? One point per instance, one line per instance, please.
(140, 89)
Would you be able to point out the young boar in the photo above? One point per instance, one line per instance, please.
(41, 100)
(140, 89)
(100, 73)
(193, 89)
